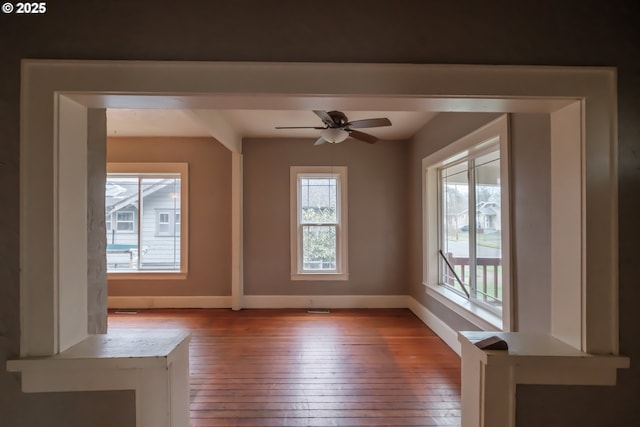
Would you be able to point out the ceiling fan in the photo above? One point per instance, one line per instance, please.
(337, 127)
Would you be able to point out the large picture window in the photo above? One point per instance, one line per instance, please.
(318, 223)
(144, 203)
(470, 243)
(466, 226)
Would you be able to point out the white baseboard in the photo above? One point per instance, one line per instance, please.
(444, 331)
(261, 301)
(324, 301)
(169, 302)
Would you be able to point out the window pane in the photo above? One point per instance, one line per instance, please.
(318, 201)
(488, 230)
(121, 201)
(319, 247)
(160, 248)
(152, 244)
(454, 193)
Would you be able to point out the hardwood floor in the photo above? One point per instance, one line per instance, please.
(293, 368)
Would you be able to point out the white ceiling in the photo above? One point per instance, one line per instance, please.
(254, 123)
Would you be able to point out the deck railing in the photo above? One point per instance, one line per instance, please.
(488, 277)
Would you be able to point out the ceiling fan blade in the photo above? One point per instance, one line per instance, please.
(299, 127)
(362, 136)
(319, 141)
(369, 123)
(325, 117)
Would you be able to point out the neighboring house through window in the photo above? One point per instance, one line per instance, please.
(319, 223)
(144, 202)
(466, 225)
(107, 221)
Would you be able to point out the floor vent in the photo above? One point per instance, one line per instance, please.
(318, 311)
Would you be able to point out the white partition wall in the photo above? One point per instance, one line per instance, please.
(567, 208)
(70, 223)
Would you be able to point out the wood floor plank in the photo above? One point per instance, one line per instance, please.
(293, 368)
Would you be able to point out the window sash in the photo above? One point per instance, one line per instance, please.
(316, 257)
(476, 286)
(320, 214)
(157, 245)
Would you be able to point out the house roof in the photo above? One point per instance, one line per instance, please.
(130, 194)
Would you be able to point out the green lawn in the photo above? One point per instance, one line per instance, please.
(489, 240)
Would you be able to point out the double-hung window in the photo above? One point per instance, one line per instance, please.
(125, 221)
(145, 229)
(466, 225)
(319, 223)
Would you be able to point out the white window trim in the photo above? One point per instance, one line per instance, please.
(161, 168)
(342, 251)
(483, 318)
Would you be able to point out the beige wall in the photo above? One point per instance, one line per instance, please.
(377, 215)
(209, 213)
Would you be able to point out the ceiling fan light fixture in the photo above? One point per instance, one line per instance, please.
(334, 135)
(337, 127)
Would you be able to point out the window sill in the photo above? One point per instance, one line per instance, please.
(480, 317)
(321, 276)
(152, 275)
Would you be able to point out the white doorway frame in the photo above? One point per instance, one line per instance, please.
(57, 96)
